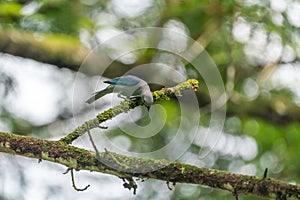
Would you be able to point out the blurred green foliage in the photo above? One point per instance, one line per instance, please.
(210, 22)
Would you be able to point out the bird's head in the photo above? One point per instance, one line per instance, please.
(148, 99)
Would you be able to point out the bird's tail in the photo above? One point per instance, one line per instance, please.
(99, 94)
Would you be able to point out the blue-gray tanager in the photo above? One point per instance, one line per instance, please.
(128, 86)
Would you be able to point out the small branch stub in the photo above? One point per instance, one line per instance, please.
(129, 183)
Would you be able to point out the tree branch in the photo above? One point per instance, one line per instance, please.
(128, 167)
(57, 49)
(125, 106)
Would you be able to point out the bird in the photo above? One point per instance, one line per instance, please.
(128, 86)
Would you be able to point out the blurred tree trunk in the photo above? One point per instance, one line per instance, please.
(59, 50)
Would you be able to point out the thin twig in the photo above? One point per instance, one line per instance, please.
(73, 180)
(265, 173)
(73, 183)
(93, 143)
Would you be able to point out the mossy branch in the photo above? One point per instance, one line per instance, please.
(125, 106)
(81, 159)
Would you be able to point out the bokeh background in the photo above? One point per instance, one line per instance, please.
(255, 45)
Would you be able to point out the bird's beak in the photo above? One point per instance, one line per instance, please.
(148, 108)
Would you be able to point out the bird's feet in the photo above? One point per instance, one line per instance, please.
(122, 97)
(134, 98)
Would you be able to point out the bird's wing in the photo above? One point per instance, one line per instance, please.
(124, 80)
(99, 94)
